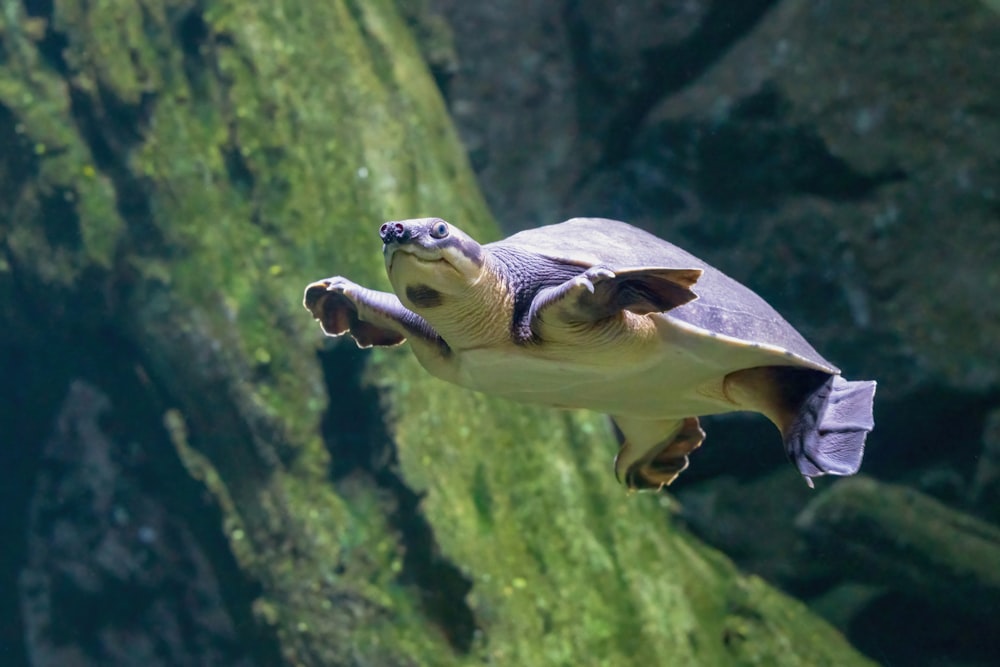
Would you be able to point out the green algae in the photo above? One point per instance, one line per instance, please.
(567, 567)
(217, 160)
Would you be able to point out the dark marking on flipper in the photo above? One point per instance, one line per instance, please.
(827, 436)
(666, 461)
(338, 315)
(387, 323)
(672, 460)
(640, 291)
(424, 296)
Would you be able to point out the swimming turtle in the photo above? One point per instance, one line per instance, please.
(598, 314)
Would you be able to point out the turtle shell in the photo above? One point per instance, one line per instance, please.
(725, 309)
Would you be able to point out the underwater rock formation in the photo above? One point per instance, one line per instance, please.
(839, 158)
(894, 536)
(112, 577)
(175, 173)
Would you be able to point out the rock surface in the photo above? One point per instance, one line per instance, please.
(843, 170)
(837, 157)
(177, 172)
(112, 577)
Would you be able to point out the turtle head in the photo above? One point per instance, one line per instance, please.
(429, 260)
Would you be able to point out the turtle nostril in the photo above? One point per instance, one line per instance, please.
(391, 232)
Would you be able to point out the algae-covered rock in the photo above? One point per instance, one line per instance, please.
(893, 536)
(177, 172)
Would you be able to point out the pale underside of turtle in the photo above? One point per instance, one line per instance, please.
(597, 314)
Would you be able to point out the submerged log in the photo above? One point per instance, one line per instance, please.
(898, 537)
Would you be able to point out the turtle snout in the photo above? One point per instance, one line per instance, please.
(394, 232)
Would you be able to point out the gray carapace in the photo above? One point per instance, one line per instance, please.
(597, 314)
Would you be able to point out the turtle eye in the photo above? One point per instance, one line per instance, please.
(440, 229)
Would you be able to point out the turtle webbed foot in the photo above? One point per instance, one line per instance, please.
(653, 476)
(664, 462)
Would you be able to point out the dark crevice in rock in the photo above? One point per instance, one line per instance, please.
(59, 220)
(53, 43)
(109, 125)
(154, 472)
(752, 159)
(208, 83)
(18, 164)
(758, 155)
(111, 128)
(30, 390)
(39, 8)
(666, 69)
(376, 55)
(194, 37)
(238, 170)
(434, 39)
(355, 433)
(47, 347)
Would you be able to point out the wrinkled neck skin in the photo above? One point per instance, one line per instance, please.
(479, 315)
(475, 314)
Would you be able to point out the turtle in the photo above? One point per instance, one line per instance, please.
(598, 314)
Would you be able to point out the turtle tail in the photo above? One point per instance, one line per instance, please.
(827, 435)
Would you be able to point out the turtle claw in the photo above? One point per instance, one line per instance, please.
(599, 273)
(593, 276)
(338, 284)
(584, 282)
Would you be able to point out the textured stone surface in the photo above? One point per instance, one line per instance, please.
(893, 536)
(843, 170)
(837, 157)
(177, 173)
(514, 100)
(112, 577)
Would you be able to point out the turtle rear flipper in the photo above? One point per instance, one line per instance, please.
(823, 418)
(654, 451)
(827, 436)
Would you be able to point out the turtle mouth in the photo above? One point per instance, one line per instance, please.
(414, 254)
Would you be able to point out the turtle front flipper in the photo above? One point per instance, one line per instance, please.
(372, 318)
(599, 292)
(655, 452)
